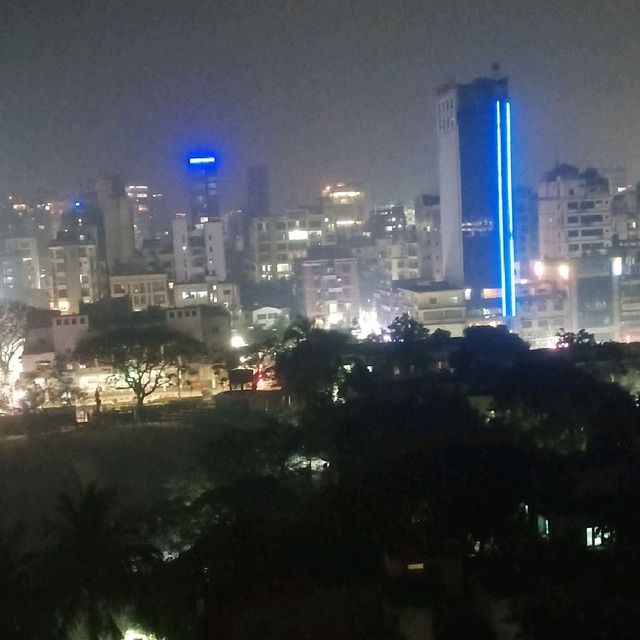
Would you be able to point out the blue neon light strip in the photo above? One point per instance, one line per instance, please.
(511, 256)
(501, 209)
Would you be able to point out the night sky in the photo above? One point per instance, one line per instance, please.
(318, 89)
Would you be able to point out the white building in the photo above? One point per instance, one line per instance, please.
(436, 305)
(198, 250)
(207, 291)
(268, 317)
(574, 214)
(145, 290)
(75, 275)
(67, 332)
(210, 325)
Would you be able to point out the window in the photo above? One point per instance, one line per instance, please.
(590, 218)
(558, 306)
(574, 247)
(572, 205)
(74, 320)
(83, 320)
(572, 219)
(591, 233)
(59, 322)
(171, 314)
(587, 204)
(433, 300)
(599, 536)
(573, 233)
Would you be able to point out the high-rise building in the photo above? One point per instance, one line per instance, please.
(142, 213)
(276, 242)
(386, 222)
(198, 250)
(476, 203)
(203, 169)
(344, 205)
(330, 286)
(75, 272)
(117, 214)
(527, 244)
(258, 197)
(429, 236)
(574, 213)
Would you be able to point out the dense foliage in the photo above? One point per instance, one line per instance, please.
(302, 524)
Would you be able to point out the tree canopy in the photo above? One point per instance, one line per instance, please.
(141, 356)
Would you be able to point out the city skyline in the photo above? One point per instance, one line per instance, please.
(130, 89)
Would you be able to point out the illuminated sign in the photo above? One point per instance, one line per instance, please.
(202, 160)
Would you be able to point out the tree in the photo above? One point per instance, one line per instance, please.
(13, 328)
(568, 339)
(88, 566)
(311, 369)
(61, 384)
(300, 329)
(407, 329)
(140, 356)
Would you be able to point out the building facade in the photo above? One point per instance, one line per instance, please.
(198, 250)
(476, 202)
(145, 290)
(331, 291)
(276, 242)
(75, 275)
(574, 212)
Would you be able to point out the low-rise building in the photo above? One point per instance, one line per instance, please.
(145, 290)
(208, 290)
(436, 305)
(67, 332)
(269, 317)
(208, 324)
(545, 304)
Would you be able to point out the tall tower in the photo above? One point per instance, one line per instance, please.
(203, 168)
(476, 201)
(117, 214)
(258, 200)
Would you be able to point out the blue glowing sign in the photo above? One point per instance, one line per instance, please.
(505, 227)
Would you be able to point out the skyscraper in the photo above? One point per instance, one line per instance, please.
(474, 145)
(258, 200)
(117, 214)
(203, 168)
